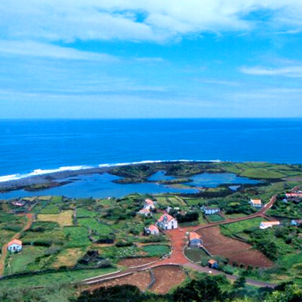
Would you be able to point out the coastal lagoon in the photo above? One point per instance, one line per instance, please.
(102, 185)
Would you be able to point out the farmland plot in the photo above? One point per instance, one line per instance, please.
(234, 250)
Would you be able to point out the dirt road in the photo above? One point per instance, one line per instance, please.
(30, 220)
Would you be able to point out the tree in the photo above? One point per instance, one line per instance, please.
(240, 282)
(205, 290)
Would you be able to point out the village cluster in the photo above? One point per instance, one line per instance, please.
(166, 221)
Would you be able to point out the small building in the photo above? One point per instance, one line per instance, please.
(194, 240)
(152, 230)
(14, 246)
(167, 222)
(268, 224)
(210, 210)
(213, 263)
(296, 222)
(145, 212)
(149, 204)
(19, 203)
(297, 194)
(257, 203)
(90, 257)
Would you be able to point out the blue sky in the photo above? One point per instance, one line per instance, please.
(150, 59)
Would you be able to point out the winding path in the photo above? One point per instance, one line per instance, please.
(30, 220)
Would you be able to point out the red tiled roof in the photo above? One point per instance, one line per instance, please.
(153, 228)
(149, 201)
(15, 241)
(193, 235)
(256, 201)
(169, 217)
(270, 222)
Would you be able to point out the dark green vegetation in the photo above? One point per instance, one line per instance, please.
(141, 172)
(201, 288)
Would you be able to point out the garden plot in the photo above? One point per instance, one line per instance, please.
(234, 250)
(63, 219)
(68, 257)
(139, 279)
(167, 277)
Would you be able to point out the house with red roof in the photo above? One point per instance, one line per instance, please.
(194, 240)
(148, 207)
(149, 204)
(257, 203)
(297, 194)
(213, 263)
(152, 230)
(14, 246)
(268, 224)
(145, 212)
(167, 222)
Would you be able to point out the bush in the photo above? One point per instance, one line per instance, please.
(123, 243)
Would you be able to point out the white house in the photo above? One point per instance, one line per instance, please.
(297, 194)
(14, 246)
(210, 210)
(152, 230)
(268, 224)
(145, 212)
(149, 204)
(257, 203)
(167, 222)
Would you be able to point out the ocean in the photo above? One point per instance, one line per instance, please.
(33, 146)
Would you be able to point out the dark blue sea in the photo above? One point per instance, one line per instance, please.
(28, 145)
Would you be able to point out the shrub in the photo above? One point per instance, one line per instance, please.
(123, 243)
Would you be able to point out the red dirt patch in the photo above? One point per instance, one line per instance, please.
(167, 277)
(131, 262)
(139, 279)
(234, 250)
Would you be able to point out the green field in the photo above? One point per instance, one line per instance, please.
(83, 212)
(76, 236)
(51, 279)
(156, 250)
(195, 254)
(240, 226)
(50, 209)
(215, 218)
(235, 215)
(19, 262)
(95, 226)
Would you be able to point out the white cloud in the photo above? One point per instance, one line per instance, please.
(288, 71)
(136, 20)
(37, 49)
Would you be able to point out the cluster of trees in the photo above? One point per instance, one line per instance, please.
(265, 240)
(188, 217)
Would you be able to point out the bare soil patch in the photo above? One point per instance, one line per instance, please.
(166, 277)
(139, 279)
(130, 262)
(234, 250)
